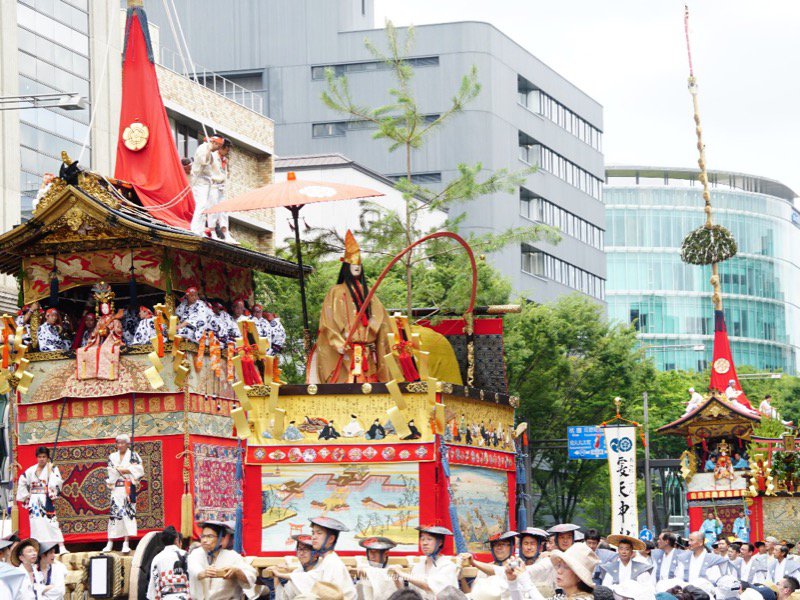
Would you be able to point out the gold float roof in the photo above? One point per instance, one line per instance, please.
(713, 413)
(95, 215)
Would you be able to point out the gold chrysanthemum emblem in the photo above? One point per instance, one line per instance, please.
(135, 136)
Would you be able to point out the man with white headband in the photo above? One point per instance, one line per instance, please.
(202, 181)
(124, 472)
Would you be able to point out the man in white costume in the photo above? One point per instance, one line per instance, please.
(38, 488)
(304, 552)
(433, 572)
(125, 470)
(623, 567)
(202, 181)
(169, 574)
(375, 582)
(695, 400)
(329, 568)
(217, 572)
(697, 564)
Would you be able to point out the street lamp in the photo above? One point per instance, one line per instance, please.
(63, 101)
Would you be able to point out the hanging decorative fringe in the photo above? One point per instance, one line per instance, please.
(21, 286)
(522, 482)
(54, 285)
(238, 529)
(187, 505)
(187, 518)
(133, 303)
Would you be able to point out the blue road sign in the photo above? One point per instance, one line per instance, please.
(646, 535)
(583, 443)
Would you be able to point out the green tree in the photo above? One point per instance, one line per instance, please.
(406, 127)
(567, 363)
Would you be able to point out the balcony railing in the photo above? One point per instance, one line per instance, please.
(214, 82)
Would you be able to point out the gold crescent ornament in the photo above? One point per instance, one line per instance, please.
(135, 136)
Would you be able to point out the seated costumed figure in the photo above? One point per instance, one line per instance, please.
(99, 358)
(361, 360)
(724, 466)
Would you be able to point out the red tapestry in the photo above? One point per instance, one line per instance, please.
(87, 268)
(83, 505)
(215, 487)
(214, 278)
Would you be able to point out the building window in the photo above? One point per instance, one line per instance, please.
(187, 138)
(340, 128)
(535, 208)
(538, 263)
(318, 72)
(533, 153)
(430, 177)
(535, 100)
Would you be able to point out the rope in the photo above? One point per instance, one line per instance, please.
(701, 162)
(112, 13)
(686, 31)
(181, 48)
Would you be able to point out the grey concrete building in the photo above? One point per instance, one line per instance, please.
(526, 114)
(74, 47)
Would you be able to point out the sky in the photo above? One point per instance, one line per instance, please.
(630, 56)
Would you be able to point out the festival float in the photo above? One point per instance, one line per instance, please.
(428, 438)
(759, 500)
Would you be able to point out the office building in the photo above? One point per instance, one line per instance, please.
(650, 210)
(527, 114)
(73, 48)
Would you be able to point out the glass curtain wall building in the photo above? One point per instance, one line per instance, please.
(53, 39)
(649, 211)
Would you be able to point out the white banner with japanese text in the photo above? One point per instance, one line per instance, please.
(621, 447)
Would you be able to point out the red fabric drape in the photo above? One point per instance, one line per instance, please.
(727, 369)
(155, 171)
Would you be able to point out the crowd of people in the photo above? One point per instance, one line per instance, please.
(534, 564)
(197, 316)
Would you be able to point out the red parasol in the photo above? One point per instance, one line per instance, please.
(294, 194)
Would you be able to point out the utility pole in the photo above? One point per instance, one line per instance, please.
(648, 491)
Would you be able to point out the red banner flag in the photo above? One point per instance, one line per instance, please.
(723, 371)
(146, 153)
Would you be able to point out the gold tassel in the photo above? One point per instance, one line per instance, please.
(187, 515)
(14, 517)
